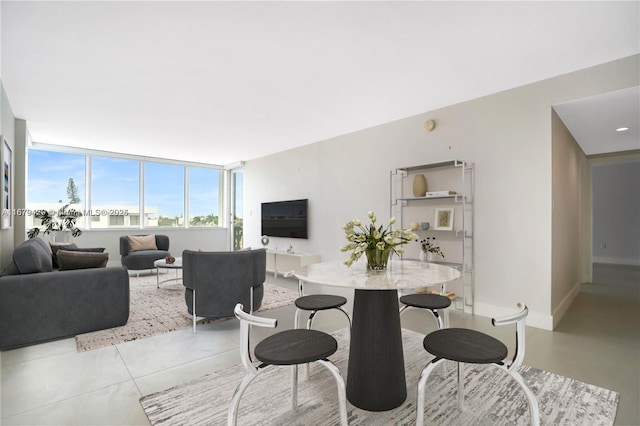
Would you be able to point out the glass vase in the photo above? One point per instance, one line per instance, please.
(426, 256)
(377, 259)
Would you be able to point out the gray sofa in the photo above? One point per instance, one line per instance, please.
(143, 259)
(39, 303)
(220, 280)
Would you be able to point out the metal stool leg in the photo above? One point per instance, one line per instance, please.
(309, 323)
(433, 312)
(294, 387)
(461, 386)
(232, 416)
(534, 409)
(296, 319)
(194, 311)
(422, 382)
(348, 319)
(342, 392)
(437, 317)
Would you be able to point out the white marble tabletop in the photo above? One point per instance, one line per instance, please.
(162, 263)
(400, 274)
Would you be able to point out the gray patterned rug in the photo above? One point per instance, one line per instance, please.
(492, 398)
(160, 310)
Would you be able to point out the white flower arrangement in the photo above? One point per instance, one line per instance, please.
(377, 242)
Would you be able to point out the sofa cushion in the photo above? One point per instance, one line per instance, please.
(85, 249)
(54, 250)
(143, 259)
(81, 260)
(32, 256)
(142, 242)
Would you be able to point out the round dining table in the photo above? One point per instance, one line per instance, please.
(376, 376)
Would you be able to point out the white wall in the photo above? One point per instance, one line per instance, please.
(616, 212)
(506, 135)
(22, 141)
(568, 161)
(7, 129)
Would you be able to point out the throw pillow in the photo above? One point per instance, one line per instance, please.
(142, 242)
(81, 260)
(85, 249)
(32, 256)
(10, 270)
(54, 250)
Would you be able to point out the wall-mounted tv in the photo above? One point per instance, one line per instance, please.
(285, 219)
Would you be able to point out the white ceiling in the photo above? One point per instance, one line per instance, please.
(220, 82)
(593, 121)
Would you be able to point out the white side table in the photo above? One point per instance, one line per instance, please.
(162, 264)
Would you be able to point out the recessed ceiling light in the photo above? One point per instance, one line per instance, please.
(622, 129)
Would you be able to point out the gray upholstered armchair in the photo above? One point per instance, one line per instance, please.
(216, 281)
(143, 259)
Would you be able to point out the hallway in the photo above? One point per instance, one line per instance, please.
(598, 340)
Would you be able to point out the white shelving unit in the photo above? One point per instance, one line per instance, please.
(455, 176)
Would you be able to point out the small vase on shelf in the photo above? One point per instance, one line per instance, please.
(419, 186)
(426, 256)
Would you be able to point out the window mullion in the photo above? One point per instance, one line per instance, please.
(143, 217)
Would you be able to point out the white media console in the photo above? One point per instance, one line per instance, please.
(281, 262)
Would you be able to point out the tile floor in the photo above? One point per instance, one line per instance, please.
(597, 342)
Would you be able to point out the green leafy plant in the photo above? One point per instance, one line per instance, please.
(63, 219)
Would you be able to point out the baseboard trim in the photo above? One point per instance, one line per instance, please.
(616, 261)
(563, 307)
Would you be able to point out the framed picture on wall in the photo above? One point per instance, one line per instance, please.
(6, 220)
(443, 220)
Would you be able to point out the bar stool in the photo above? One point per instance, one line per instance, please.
(320, 302)
(469, 346)
(316, 303)
(430, 302)
(289, 347)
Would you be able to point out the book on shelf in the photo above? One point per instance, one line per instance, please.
(440, 193)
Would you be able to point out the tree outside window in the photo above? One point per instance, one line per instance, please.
(54, 180)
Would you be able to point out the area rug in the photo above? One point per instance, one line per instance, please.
(491, 397)
(154, 311)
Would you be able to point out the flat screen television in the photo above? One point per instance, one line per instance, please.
(285, 219)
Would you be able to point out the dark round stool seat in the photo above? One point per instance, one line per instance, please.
(320, 302)
(464, 345)
(426, 301)
(297, 346)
